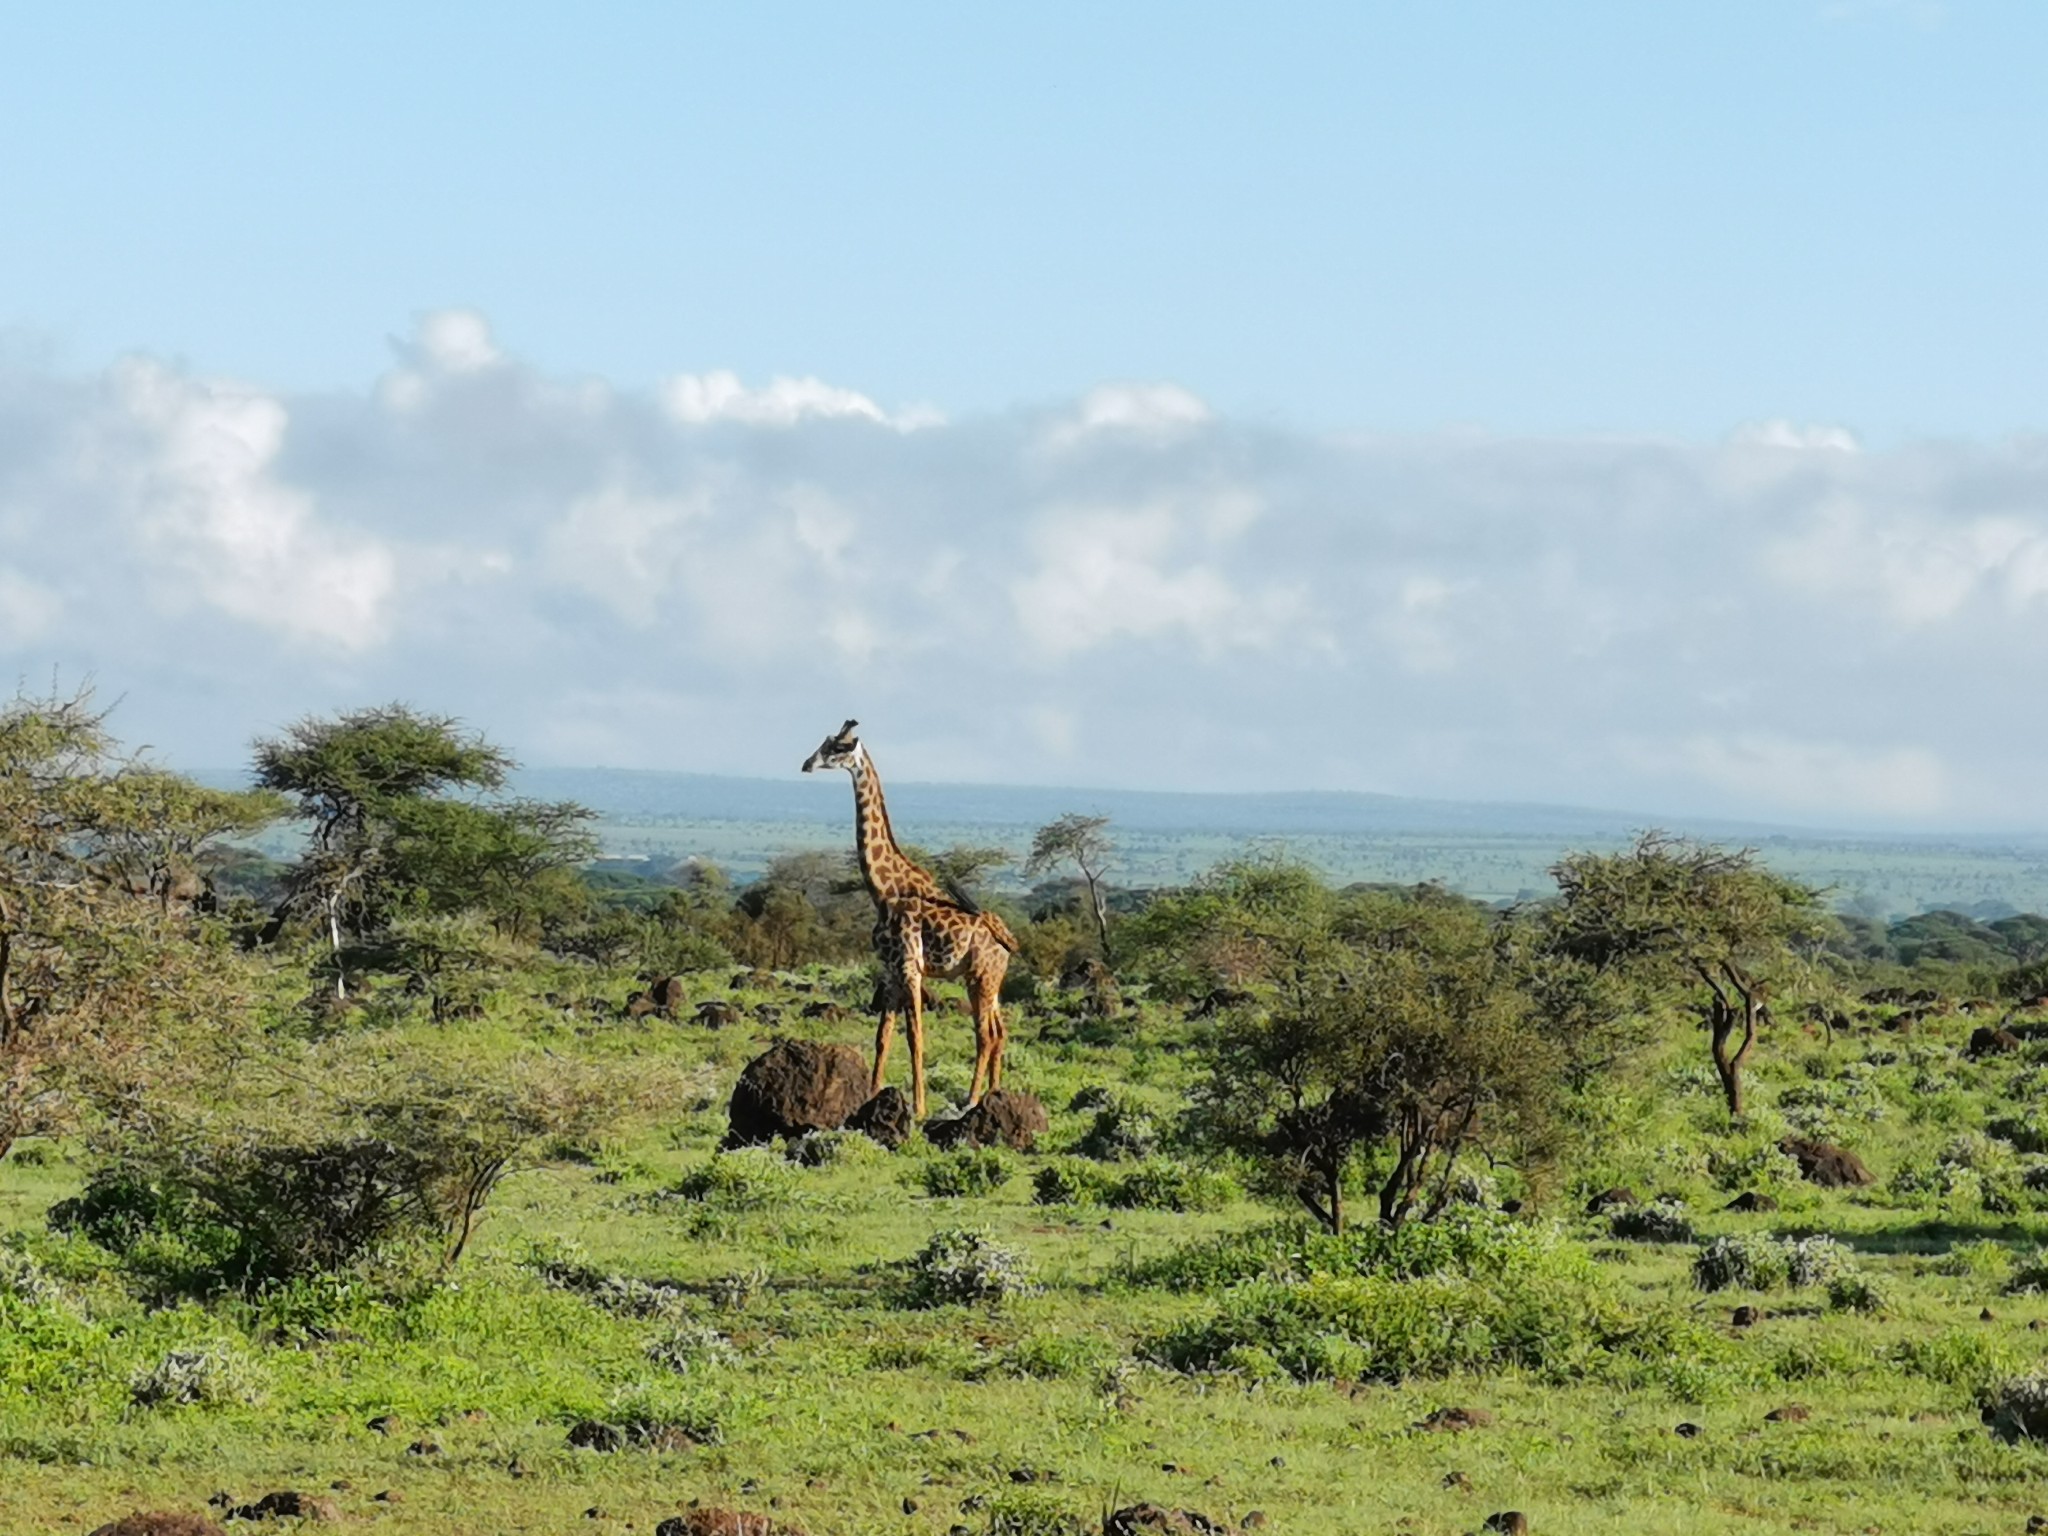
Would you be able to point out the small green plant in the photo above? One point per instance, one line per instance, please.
(1164, 1185)
(834, 1149)
(1756, 1261)
(1121, 1132)
(1071, 1182)
(961, 1265)
(745, 1179)
(27, 1281)
(1954, 1358)
(687, 1347)
(183, 1377)
(1661, 1221)
(1857, 1292)
(1032, 1512)
(1052, 1356)
(2016, 1408)
(1985, 1259)
(2030, 1275)
(970, 1173)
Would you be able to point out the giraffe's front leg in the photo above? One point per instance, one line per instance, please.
(885, 1034)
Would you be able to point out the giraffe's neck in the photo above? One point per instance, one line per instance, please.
(888, 873)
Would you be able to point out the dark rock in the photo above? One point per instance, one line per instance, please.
(1509, 1522)
(909, 1505)
(383, 1424)
(1511, 1207)
(160, 1522)
(885, 1118)
(388, 1496)
(1745, 1317)
(591, 1435)
(1254, 1520)
(1011, 1119)
(1825, 1164)
(664, 1437)
(1791, 1413)
(1687, 1431)
(639, 1005)
(1986, 1041)
(1138, 1519)
(1751, 1200)
(717, 1014)
(1987, 1316)
(826, 1009)
(1454, 1420)
(1621, 1194)
(1459, 1481)
(794, 1087)
(667, 995)
(425, 1446)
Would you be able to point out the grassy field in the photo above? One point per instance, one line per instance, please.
(787, 1349)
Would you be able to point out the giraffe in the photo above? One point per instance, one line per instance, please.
(921, 929)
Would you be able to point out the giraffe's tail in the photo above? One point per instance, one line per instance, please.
(1000, 931)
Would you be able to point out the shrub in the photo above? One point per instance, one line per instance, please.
(692, 1346)
(971, 1172)
(832, 1149)
(2031, 1274)
(1984, 1259)
(1163, 1185)
(1759, 1164)
(962, 1265)
(24, 1279)
(745, 1179)
(1954, 1358)
(1479, 1245)
(2017, 1408)
(1121, 1132)
(1387, 1329)
(1051, 1356)
(1661, 1221)
(1071, 1183)
(563, 1266)
(1855, 1292)
(1756, 1261)
(192, 1376)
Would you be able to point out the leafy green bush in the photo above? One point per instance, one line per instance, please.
(193, 1376)
(1384, 1328)
(1661, 1221)
(1481, 1245)
(960, 1265)
(24, 1279)
(1121, 1132)
(969, 1173)
(1757, 1261)
(1985, 1259)
(1071, 1182)
(1053, 1356)
(745, 1179)
(1032, 1512)
(2030, 1275)
(1164, 1185)
(687, 1347)
(1857, 1292)
(834, 1149)
(1954, 1358)
(2016, 1408)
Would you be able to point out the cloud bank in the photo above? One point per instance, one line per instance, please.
(1125, 588)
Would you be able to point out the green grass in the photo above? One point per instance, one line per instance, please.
(811, 1389)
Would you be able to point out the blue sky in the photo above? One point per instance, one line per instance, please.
(1629, 405)
(1641, 218)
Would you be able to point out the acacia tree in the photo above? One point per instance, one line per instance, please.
(1082, 841)
(1674, 908)
(99, 960)
(381, 790)
(1387, 1022)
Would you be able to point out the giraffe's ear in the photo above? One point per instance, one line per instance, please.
(846, 730)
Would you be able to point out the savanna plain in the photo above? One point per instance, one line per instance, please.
(388, 1178)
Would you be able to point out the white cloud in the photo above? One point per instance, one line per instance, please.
(202, 494)
(1797, 437)
(1107, 572)
(1173, 599)
(1156, 413)
(699, 398)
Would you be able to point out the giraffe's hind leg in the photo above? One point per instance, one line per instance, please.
(984, 993)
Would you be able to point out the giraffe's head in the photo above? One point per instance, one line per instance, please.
(842, 749)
